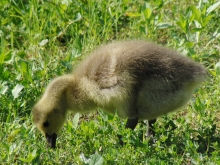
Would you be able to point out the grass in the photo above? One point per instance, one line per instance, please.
(41, 40)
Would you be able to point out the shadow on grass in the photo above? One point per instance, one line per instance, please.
(204, 140)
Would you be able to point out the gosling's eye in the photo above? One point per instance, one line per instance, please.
(46, 124)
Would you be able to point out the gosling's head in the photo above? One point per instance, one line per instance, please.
(49, 114)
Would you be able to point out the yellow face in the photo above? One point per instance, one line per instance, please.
(49, 121)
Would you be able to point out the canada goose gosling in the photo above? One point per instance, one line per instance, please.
(138, 79)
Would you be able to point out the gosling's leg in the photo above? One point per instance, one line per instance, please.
(131, 124)
(150, 131)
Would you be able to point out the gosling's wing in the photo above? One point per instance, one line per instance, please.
(103, 80)
(105, 91)
(109, 81)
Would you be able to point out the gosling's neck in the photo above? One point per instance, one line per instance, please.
(77, 98)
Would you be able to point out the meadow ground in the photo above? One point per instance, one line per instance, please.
(41, 40)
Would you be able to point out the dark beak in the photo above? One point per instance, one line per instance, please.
(51, 139)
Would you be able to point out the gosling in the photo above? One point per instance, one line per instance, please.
(136, 79)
